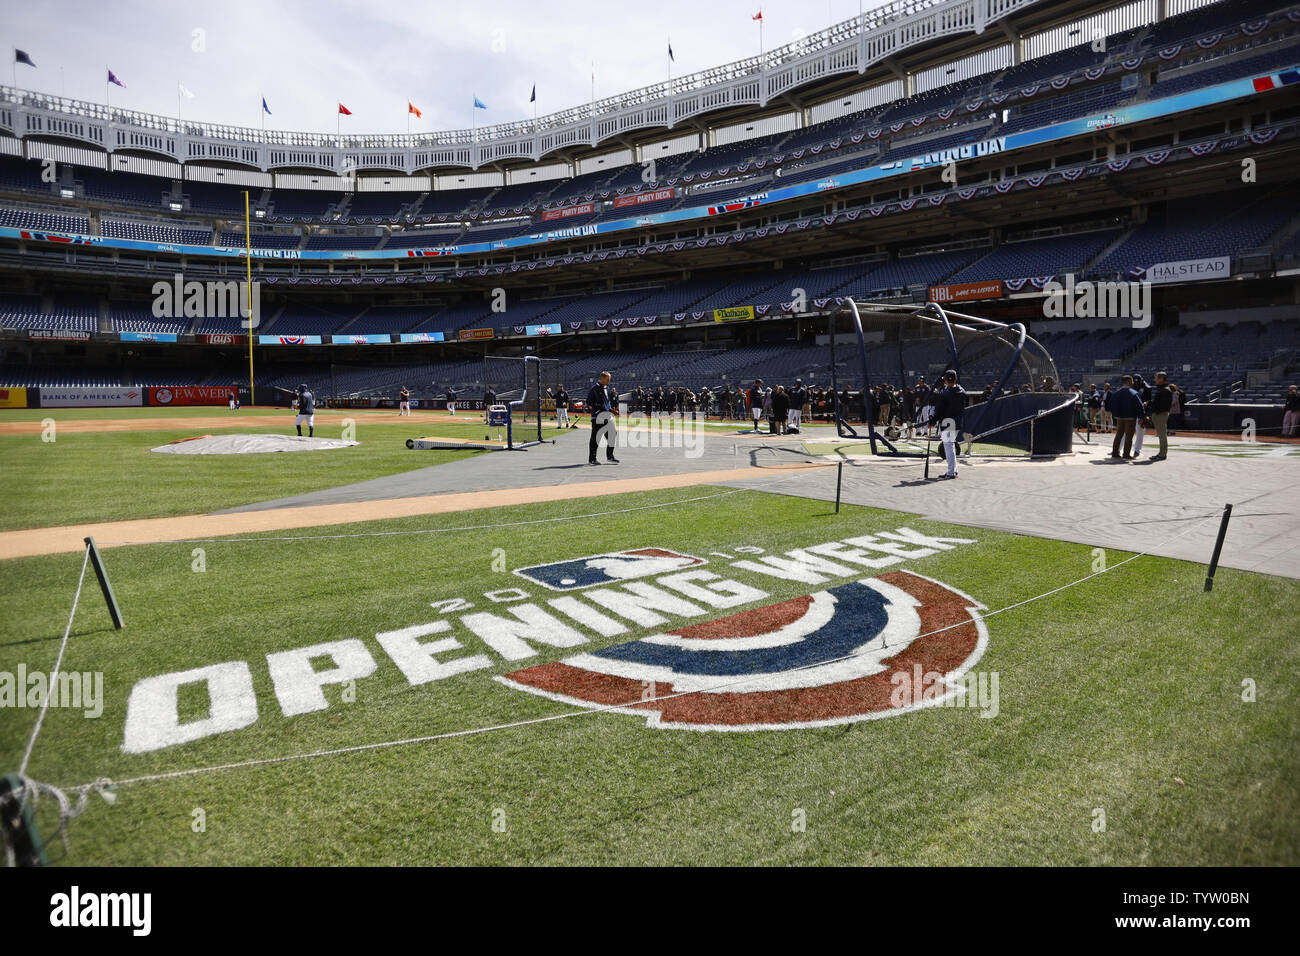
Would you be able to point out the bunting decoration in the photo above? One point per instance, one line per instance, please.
(1132, 63)
(1254, 27)
(1060, 83)
(1157, 157)
(1263, 137)
(1005, 186)
(1168, 53)
(1094, 73)
(1118, 165)
(1207, 42)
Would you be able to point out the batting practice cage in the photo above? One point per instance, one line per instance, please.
(877, 344)
(527, 386)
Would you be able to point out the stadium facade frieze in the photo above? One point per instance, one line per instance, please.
(844, 49)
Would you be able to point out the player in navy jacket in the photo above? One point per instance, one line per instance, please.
(949, 407)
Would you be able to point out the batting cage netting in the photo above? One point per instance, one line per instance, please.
(898, 345)
(527, 384)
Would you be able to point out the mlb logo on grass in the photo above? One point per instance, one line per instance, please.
(608, 568)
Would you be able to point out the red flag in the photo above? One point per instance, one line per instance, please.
(758, 16)
(410, 108)
(344, 110)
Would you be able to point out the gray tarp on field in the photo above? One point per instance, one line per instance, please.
(250, 445)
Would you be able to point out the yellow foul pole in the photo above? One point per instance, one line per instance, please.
(248, 295)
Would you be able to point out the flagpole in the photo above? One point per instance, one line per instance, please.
(248, 295)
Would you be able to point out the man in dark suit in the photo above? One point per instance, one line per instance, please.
(601, 401)
(948, 410)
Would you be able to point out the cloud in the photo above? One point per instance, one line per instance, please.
(375, 55)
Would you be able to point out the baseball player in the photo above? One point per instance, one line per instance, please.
(451, 400)
(404, 401)
(948, 409)
(562, 408)
(306, 405)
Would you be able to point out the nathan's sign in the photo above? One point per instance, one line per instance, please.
(579, 210)
(649, 631)
(640, 199)
(966, 291)
(466, 334)
(192, 395)
(220, 339)
(742, 313)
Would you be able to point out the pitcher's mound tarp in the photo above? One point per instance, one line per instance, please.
(249, 444)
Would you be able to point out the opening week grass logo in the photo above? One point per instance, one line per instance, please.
(684, 642)
(831, 657)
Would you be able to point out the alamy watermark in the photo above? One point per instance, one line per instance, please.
(1098, 300)
(67, 689)
(210, 299)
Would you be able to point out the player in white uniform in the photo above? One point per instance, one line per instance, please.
(306, 405)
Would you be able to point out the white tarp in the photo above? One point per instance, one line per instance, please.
(250, 445)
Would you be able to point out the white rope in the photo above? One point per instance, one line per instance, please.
(598, 709)
(45, 704)
(31, 792)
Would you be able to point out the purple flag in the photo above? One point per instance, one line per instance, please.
(114, 80)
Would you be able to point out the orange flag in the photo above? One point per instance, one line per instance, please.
(410, 108)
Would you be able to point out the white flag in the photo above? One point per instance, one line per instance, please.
(184, 92)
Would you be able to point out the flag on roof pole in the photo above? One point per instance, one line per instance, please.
(670, 51)
(180, 88)
(758, 16)
(21, 57)
(112, 78)
(533, 98)
(344, 111)
(410, 108)
(265, 109)
(479, 104)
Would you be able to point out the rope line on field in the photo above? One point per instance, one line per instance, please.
(102, 784)
(58, 662)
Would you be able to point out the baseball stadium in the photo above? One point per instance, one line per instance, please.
(878, 450)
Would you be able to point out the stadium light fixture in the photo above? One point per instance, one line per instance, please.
(67, 192)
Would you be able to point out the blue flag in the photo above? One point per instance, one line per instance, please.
(533, 98)
(21, 57)
(670, 52)
(479, 104)
(266, 109)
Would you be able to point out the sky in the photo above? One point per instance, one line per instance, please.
(374, 56)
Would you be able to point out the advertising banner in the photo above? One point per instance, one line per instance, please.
(13, 398)
(466, 334)
(1190, 270)
(550, 328)
(221, 339)
(640, 199)
(59, 335)
(90, 397)
(966, 291)
(373, 338)
(741, 313)
(423, 337)
(148, 337)
(191, 395)
(580, 210)
(288, 340)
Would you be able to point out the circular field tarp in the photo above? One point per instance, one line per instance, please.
(249, 445)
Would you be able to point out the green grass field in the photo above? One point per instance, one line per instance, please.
(1122, 694)
(106, 476)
